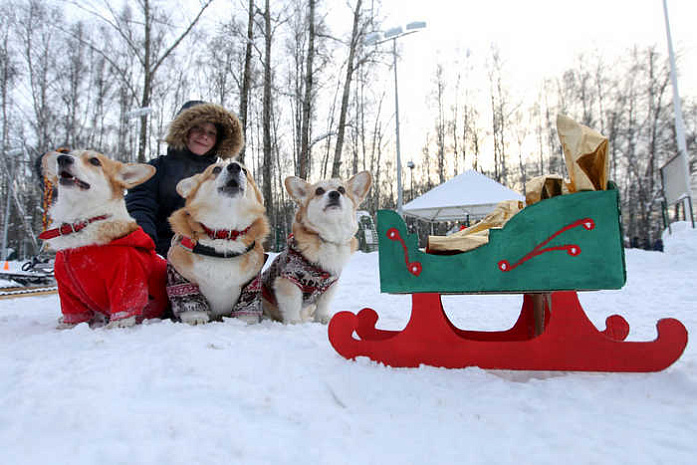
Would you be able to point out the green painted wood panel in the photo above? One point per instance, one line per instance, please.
(570, 242)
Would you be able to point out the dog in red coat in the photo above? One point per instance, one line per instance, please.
(106, 266)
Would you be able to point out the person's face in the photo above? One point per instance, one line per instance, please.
(202, 138)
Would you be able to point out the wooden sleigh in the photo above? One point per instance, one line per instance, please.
(547, 252)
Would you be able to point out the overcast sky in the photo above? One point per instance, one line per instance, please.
(537, 39)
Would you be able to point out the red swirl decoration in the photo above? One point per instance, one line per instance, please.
(571, 249)
(413, 267)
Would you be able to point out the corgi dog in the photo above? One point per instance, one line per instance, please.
(217, 253)
(298, 286)
(106, 267)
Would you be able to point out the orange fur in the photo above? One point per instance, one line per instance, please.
(205, 200)
(324, 230)
(90, 185)
(116, 175)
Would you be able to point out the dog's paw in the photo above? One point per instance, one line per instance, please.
(122, 323)
(249, 319)
(99, 320)
(63, 325)
(323, 318)
(194, 318)
(292, 320)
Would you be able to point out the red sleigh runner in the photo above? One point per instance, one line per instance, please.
(547, 252)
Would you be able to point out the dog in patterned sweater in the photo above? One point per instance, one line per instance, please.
(217, 250)
(300, 283)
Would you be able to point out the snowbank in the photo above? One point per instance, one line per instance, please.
(222, 393)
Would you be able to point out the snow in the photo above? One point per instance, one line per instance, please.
(167, 393)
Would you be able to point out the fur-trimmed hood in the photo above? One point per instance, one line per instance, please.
(230, 137)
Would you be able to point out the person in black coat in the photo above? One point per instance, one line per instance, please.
(199, 135)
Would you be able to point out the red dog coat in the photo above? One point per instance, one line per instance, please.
(121, 279)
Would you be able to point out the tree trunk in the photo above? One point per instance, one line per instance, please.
(305, 159)
(247, 76)
(336, 166)
(440, 123)
(268, 155)
(147, 81)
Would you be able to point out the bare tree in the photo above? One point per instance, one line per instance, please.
(452, 126)
(267, 105)
(521, 131)
(37, 28)
(304, 155)
(9, 72)
(357, 34)
(652, 124)
(222, 58)
(72, 80)
(440, 123)
(148, 45)
(247, 74)
(471, 135)
(499, 115)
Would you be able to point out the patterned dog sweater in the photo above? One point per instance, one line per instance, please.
(186, 296)
(290, 264)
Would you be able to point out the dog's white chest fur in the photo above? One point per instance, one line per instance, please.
(333, 257)
(220, 281)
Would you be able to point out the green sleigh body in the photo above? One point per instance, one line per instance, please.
(547, 252)
(570, 242)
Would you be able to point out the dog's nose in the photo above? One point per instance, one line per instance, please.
(64, 160)
(234, 168)
(334, 195)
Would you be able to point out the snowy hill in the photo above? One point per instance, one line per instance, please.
(166, 393)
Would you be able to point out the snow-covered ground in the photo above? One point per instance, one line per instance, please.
(223, 393)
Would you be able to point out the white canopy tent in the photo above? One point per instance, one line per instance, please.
(470, 194)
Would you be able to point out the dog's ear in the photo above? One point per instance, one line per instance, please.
(187, 185)
(359, 185)
(298, 188)
(132, 174)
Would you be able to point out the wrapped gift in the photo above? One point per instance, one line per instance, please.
(585, 152)
(544, 187)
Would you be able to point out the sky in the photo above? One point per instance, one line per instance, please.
(224, 393)
(538, 39)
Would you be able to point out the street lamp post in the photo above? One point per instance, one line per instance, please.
(410, 165)
(679, 124)
(394, 34)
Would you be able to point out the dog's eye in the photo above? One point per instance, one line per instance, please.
(319, 191)
(341, 190)
(217, 170)
(95, 161)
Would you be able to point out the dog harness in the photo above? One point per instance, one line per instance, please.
(186, 296)
(194, 247)
(312, 280)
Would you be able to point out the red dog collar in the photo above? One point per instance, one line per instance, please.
(229, 234)
(69, 228)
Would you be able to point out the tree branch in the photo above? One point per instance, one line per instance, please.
(181, 37)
